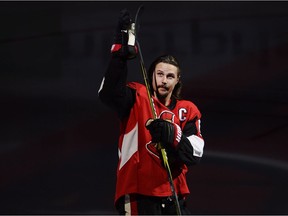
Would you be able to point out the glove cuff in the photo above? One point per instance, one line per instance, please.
(177, 135)
(124, 45)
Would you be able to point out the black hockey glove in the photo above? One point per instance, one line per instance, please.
(167, 133)
(124, 37)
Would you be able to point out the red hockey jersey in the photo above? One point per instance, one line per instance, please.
(140, 169)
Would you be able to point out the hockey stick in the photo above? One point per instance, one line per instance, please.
(135, 28)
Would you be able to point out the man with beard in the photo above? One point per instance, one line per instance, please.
(142, 181)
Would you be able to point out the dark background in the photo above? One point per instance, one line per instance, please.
(58, 151)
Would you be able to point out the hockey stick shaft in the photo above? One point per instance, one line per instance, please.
(154, 113)
(163, 151)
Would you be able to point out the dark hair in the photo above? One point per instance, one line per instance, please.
(169, 59)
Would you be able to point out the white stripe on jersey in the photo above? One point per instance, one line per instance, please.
(197, 144)
(101, 86)
(129, 146)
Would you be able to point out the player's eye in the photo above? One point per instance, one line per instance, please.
(160, 74)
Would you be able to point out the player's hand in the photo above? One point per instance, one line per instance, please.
(167, 133)
(124, 21)
(120, 41)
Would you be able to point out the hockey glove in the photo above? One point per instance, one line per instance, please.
(165, 132)
(124, 37)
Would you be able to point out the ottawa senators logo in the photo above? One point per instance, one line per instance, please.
(153, 148)
(167, 115)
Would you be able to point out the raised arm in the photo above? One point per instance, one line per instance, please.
(113, 90)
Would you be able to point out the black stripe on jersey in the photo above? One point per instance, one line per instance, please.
(190, 128)
(185, 149)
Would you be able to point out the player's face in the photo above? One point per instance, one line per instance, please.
(165, 78)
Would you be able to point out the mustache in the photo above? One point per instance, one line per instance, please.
(162, 86)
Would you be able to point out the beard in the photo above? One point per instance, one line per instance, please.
(162, 95)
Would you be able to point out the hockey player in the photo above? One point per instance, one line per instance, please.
(142, 184)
